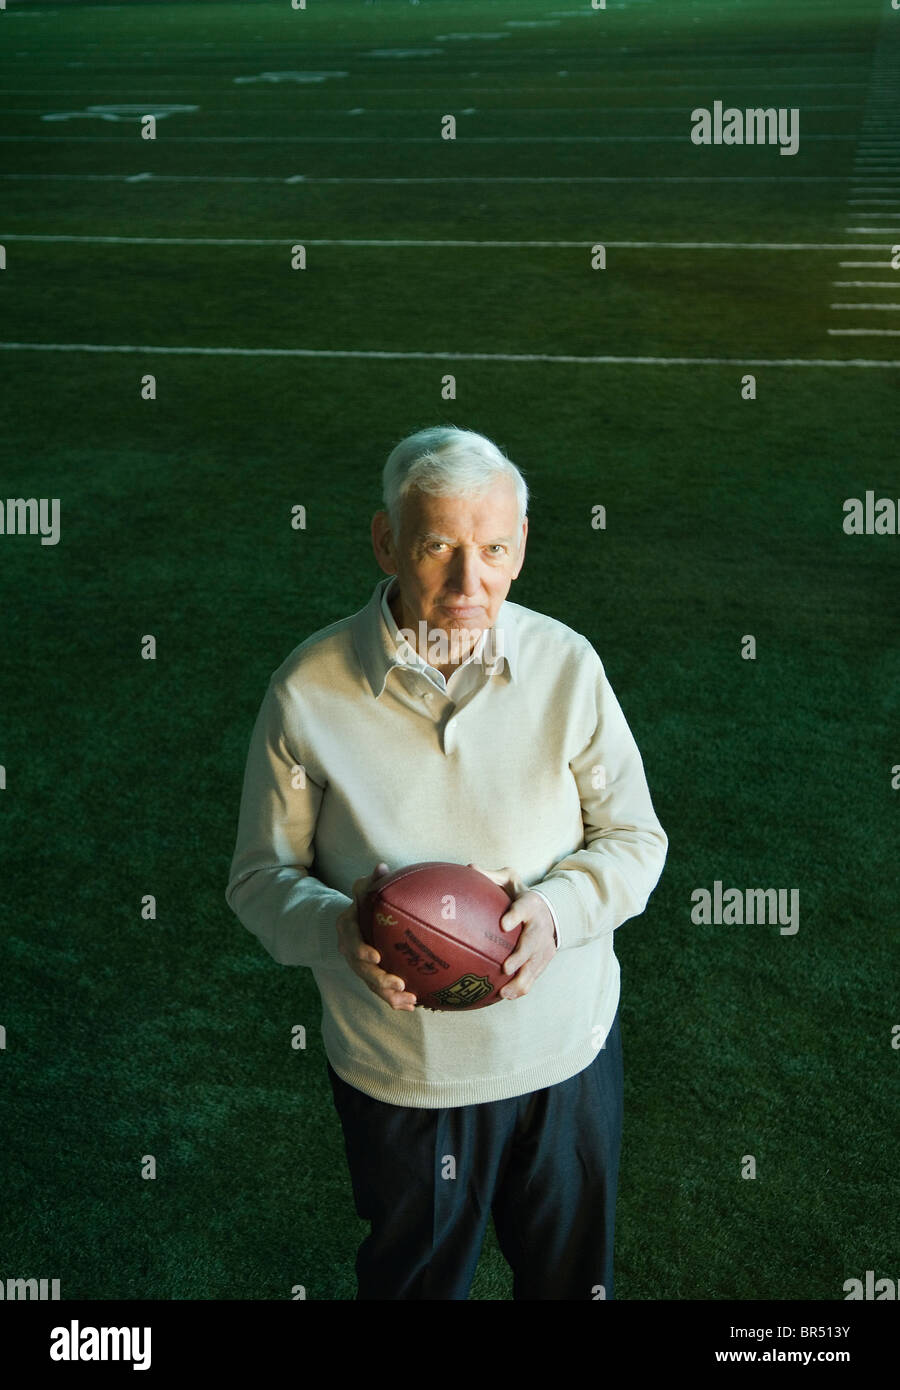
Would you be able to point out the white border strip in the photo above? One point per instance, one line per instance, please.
(287, 241)
(460, 356)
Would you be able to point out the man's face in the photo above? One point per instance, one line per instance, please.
(455, 559)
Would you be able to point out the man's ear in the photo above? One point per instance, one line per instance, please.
(521, 560)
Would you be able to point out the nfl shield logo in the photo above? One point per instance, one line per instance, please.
(467, 990)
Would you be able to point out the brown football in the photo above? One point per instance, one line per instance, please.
(437, 926)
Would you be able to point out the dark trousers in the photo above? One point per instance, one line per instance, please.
(545, 1165)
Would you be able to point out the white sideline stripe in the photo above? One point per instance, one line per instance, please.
(427, 110)
(868, 284)
(876, 202)
(895, 307)
(379, 110)
(372, 241)
(460, 356)
(450, 178)
(376, 90)
(874, 231)
(372, 139)
(865, 332)
(868, 265)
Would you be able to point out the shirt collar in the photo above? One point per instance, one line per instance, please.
(379, 645)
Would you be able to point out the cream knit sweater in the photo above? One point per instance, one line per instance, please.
(358, 756)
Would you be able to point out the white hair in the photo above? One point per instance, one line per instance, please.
(446, 462)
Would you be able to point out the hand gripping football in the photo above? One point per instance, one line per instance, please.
(437, 926)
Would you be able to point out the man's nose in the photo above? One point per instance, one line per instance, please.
(465, 574)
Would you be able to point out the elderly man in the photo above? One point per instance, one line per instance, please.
(442, 722)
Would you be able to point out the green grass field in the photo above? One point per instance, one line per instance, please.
(278, 387)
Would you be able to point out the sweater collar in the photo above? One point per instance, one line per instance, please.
(378, 651)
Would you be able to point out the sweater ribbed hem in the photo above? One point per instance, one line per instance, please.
(437, 1095)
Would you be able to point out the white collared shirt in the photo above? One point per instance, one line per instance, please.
(464, 679)
(467, 677)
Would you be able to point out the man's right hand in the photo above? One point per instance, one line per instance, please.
(364, 959)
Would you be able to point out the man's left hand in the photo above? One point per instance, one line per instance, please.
(537, 944)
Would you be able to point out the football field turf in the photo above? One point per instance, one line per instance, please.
(204, 331)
